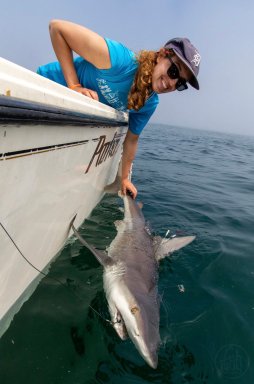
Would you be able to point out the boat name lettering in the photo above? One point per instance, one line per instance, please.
(104, 150)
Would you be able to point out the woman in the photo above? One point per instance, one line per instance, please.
(111, 73)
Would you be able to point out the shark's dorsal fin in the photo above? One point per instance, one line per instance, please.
(102, 257)
(114, 187)
(163, 247)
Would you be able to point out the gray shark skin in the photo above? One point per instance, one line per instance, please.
(131, 279)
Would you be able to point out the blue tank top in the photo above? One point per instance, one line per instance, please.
(112, 85)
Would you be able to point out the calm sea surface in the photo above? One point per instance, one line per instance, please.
(191, 182)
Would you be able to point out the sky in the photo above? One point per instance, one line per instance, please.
(222, 30)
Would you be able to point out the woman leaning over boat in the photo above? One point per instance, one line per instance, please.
(111, 73)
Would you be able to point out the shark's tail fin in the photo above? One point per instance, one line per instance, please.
(163, 247)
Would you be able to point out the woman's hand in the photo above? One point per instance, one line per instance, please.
(127, 186)
(87, 92)
(129, 151)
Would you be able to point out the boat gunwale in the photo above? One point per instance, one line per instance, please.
(15, 110)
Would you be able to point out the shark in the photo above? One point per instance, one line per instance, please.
(130, 278)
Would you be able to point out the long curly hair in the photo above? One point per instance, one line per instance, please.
(141, 88)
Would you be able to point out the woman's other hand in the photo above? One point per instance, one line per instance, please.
(87, 92)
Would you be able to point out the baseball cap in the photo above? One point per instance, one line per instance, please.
(188, 54)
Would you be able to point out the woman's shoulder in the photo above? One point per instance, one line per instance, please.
(122, 58)
(139, 119)
(151, 103)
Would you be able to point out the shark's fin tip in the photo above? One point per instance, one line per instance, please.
(167, 246)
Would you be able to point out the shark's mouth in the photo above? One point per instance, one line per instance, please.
(119, 326)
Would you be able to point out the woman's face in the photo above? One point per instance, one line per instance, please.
(161, 82)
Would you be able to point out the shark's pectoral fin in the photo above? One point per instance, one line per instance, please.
(102, 257)
(163, 247)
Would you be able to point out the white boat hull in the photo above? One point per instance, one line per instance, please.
(54, 164)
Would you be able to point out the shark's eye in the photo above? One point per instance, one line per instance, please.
(134, 310)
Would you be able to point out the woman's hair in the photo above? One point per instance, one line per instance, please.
(141, 88)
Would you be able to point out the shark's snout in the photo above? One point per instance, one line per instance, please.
(146, 339)
(149, 354)
(152, 360)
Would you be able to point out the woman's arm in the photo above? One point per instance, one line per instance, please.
(67, 37)
(129, 150)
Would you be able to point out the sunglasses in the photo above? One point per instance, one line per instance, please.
(173, 73)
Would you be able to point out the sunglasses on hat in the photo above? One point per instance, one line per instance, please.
(173, 73)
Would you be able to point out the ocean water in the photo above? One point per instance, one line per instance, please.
(190, 182)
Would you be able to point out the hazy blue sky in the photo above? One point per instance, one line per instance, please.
(223, 31)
